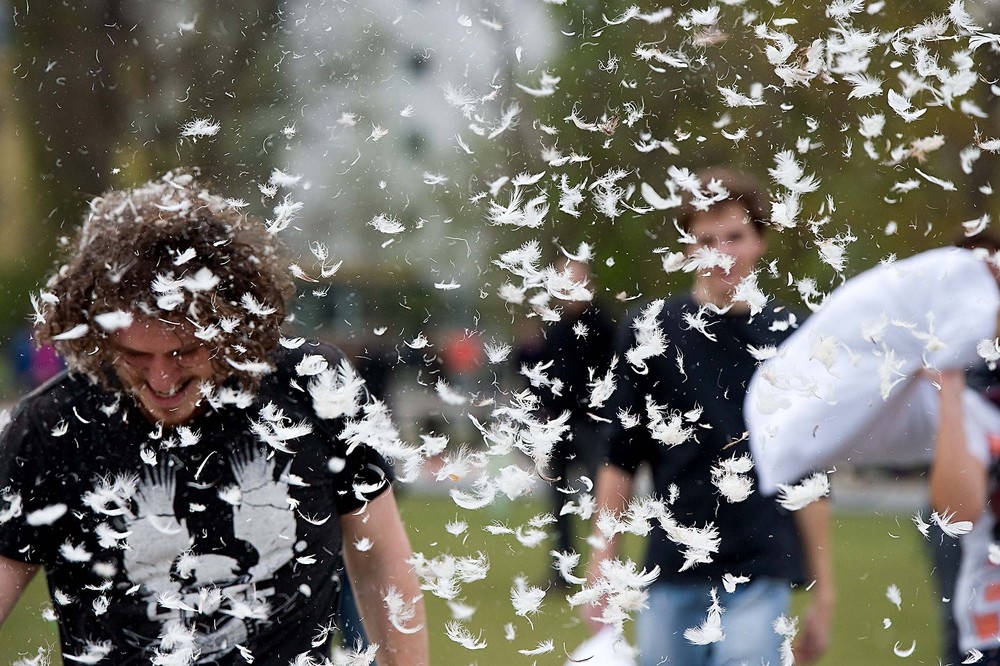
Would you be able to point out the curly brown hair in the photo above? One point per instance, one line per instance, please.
(169, 249)
(742, 188)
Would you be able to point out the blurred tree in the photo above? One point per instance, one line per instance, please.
(644, 90)
(104, 88)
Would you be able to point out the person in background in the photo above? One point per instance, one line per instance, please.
(678, 406)
(850, 384)
(32, 365)
(964, 481)
(946, 552)
(574, 351)
(189, 485)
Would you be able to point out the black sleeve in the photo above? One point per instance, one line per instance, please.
(27, 487)
(605, 332)
(360, 472)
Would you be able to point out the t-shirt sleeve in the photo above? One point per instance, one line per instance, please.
(23, 483)
(357, 428)
(365, 475)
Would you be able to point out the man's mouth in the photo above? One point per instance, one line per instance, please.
(171, 393)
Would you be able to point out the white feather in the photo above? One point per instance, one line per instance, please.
(74, 333)
(710, 631)
(795, 497)
(113, 321)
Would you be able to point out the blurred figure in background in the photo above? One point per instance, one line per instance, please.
(965, 486)
(572, 352)
(946, 551)
(33, 365)
(850, 385)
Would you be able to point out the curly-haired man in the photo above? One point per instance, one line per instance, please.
(189, 483)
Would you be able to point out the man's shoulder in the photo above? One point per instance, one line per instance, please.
(66, 397)
(298, 356)
(663, 314)
(295, 365)
(63, 393)
(662, 308)
(777, 311)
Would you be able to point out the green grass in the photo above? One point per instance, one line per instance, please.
(872, 552)
(25, 631)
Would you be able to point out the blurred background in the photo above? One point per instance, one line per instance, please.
(426, 146)
(408, 114)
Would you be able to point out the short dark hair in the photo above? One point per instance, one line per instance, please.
(987, 239)
(742, 188)
(169, 249)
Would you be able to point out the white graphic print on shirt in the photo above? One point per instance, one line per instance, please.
(217, 584)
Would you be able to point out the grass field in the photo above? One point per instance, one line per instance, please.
(872, 552)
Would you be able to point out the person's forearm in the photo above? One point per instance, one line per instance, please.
(957, 477)
(815, 526)
(612, 494)
(613, 490)
(405, 642)
(14, 578)
(397, 625)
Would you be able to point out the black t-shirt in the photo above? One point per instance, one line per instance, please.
(757, 536)
(575, 346)
(216, 537)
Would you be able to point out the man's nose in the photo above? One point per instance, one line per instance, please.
(163, 373)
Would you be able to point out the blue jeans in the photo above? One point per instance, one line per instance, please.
(747, 619)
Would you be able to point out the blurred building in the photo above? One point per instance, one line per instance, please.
(405, 109)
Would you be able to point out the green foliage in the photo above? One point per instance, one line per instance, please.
(644, 80)
(105, 87)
